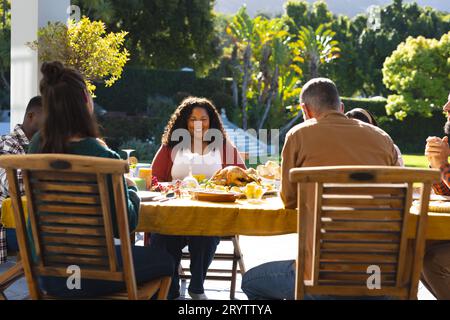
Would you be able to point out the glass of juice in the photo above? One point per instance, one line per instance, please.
(146, 174)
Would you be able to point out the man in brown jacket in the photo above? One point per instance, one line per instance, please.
(326, 137)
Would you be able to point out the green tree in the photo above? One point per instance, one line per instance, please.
(274, 65)
(418, 72)
(398, 21)
(316, 47)
(164, 34)
(345, 72)
(365, 46)
(85, 46)
(5, 44)
(241, 31)
(304, 14)
(267, 72)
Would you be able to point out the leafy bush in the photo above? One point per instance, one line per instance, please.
(122, 130)
(377, 106)
(131, 92)
(86, 47)
(417, 72)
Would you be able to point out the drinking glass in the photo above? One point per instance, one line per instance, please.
(128, 152)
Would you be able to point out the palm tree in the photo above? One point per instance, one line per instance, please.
(316, 47)
(241, 31)
(313, 48)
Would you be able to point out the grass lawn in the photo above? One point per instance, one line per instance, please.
(413, 160)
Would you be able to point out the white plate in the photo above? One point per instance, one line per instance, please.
(148, 195)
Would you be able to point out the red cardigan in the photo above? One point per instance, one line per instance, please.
(162, 163)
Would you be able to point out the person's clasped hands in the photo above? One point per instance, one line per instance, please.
(437, 151)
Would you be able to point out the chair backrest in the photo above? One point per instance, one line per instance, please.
(69, 212)
(360, 236)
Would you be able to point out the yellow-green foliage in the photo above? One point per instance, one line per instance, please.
(418, 72)
(85, 46)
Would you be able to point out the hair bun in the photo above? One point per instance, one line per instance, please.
(52, 71)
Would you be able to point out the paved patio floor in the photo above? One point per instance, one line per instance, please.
(256, 250)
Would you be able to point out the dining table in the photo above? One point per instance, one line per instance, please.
(268, 217)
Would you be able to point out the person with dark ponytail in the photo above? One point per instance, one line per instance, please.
(70, 127)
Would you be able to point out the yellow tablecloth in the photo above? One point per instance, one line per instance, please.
(190, 217)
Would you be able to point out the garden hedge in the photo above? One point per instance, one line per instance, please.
(137, 86)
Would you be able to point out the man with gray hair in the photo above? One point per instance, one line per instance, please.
(326, 138)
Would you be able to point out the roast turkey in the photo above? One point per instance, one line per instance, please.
(234, 176)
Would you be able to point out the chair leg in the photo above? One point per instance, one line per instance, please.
(233, 280)
(146, 239)
(164, 289)
(238, 253)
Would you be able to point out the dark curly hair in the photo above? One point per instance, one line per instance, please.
(179, 119)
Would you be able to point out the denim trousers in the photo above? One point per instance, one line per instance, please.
(201, 250)
(276, 281)
(11, 240)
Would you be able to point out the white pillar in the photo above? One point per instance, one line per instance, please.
(26, 17)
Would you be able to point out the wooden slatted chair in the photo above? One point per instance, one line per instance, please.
(11, 275)
(359, 223)
(222, 274)
(68, 202)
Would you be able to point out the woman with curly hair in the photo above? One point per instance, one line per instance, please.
(204, 149)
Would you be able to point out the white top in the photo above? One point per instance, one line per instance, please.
(206, 164)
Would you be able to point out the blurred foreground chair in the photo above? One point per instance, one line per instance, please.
(222, 274)
(359, 222)
(69, 213)
(11, 275)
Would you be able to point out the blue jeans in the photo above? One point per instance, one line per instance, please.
(149, 264)
(270, 281)
(11, 240)
(276, 281)
(201, 249)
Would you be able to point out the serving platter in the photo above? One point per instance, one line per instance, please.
(214, 196)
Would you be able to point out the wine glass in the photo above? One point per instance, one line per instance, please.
(128, 152)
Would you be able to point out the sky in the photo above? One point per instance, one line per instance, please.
(347, 7)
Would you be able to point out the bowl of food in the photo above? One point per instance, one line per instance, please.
(254, 192)
(270, 171)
